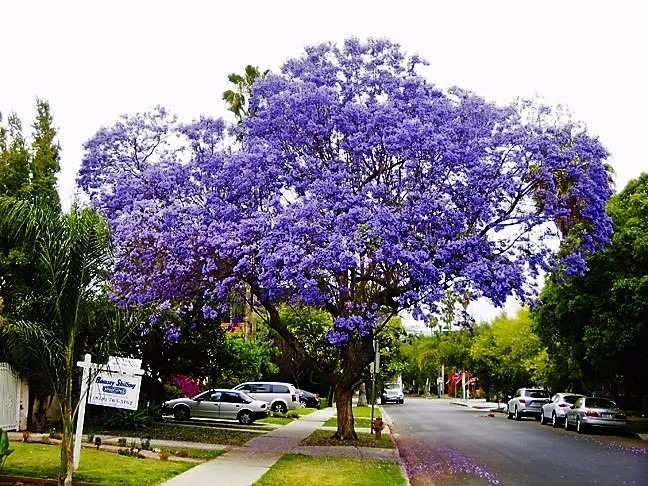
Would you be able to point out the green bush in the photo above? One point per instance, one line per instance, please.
(129, 419)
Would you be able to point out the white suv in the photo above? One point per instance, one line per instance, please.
(281, 396)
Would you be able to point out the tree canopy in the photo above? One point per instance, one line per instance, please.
(357, 187)
(599, 320)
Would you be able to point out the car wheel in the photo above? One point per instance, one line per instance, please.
(566, 423)
(554, 420)
(509, 415)
(279, 407)
(517, 414)
(181, 413)
(580, 428)
(245, 417)
(303, 403)
(541, 418)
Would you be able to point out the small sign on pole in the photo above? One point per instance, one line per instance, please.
(116, 384)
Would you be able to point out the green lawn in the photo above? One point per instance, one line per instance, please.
(106, 468)
(358, 422)
(322, 437)
(283, 419)
(191, 433)
(332, 471)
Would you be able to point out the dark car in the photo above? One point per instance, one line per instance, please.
(308, 399)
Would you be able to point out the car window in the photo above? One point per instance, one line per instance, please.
(571, 398)
(555, 398)
(244, 388)
(213, 396)
(203, 396)
(599, 403)
(579, 403)
(259, 388)
(537, 394)
(392, 386)
(231, 397)
(518, 393)
(280, 389)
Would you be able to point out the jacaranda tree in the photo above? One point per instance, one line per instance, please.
(357, 187)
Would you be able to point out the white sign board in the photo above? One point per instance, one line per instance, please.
(115, 390)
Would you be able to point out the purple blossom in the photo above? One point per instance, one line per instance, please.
(357, 186)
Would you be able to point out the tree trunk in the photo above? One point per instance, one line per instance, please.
(67, 459)
(343, 403)
(362, 396)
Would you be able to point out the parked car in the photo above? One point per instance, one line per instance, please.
(308, 399)
(589, 412)
(392, 392)
(556, 409)
(280, 396)
(527, 402)
(218, 404)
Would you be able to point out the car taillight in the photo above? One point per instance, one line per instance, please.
(591, 413)
(294, 397)
(620, 415)
(522, 400)
(316, 395)
(563, 404)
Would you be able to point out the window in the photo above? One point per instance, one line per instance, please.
(213, 396)
(280, 389)
(259, 388)
(231, 397)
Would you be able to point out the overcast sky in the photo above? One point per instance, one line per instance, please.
(94, 61)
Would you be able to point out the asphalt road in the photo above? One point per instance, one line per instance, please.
(450, 444)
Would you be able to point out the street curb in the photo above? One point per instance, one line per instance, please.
(390, 424)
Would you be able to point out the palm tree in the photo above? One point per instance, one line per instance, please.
(238, 99)
(67, 306)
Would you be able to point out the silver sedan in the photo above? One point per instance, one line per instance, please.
(556, 410)
(590, 412)
(217, 404)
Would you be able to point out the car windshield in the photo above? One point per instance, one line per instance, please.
(392, 386)
(537, 393)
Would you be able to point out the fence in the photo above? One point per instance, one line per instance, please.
(9, 398)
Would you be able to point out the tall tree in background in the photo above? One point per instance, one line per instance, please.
(238, 99)
(25, 174)
(45, 156)
(15, 160)
(597, 322)
(360, 189)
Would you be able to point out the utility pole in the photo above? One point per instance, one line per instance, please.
(375, 365)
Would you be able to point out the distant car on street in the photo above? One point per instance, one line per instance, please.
(595, 412)
(217, 404)
(527, 402)
(556, 410)
(392, 392)
(308, 399)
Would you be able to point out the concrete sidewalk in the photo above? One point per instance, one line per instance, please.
(480, 404)
(242, 466)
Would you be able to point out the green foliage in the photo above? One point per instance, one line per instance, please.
(238, 98)
(596, 324)
(507, 354)
(129, 419)
(425, 355)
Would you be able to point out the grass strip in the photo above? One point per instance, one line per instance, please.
(332, 471)
(358, 422)
(324, 438)
(190, 433)
(105, 468)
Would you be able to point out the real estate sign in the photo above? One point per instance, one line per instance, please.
(114, 389)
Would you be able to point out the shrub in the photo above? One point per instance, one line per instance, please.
(129, 419)
(182, 453)
(25, 435)
(121, 442)
(187, 385)
(164, 455)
